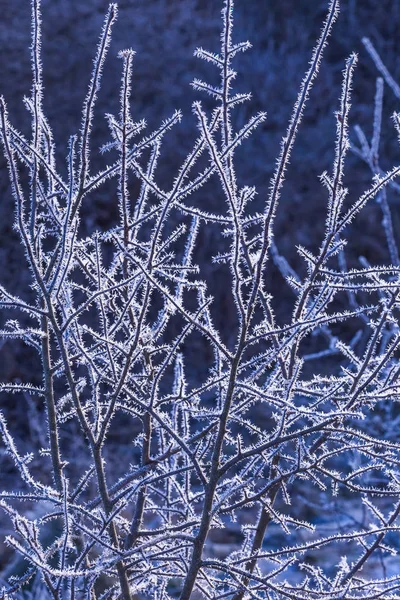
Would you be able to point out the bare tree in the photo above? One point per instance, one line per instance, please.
(113, 317)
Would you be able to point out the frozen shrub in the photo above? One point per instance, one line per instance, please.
(250, 475)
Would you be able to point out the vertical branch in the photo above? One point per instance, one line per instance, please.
(289, 139)
(337, 193)
(51, 408)
(127, 56)
(90, 100)
(374, 164)
(37, 96)
(66, 243)
(227, 76)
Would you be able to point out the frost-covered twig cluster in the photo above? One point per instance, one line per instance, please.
(309, 499)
